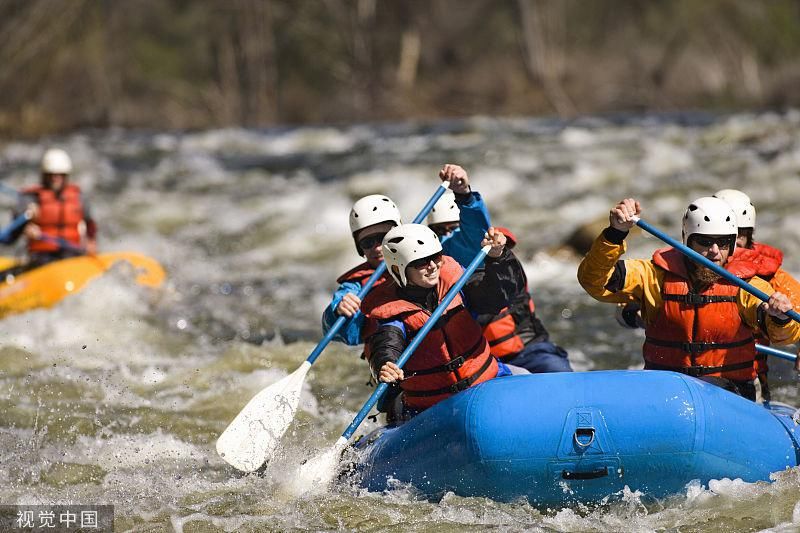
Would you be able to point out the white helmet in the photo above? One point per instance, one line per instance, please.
(709, 216)
(742, 206)
(445, 209)
(371, 210)
(407, 243)
(56, 161)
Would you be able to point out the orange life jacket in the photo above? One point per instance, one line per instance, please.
(453, 356)
(502, 332)
(700, 334)
(768, 260)
(59, 216)
(361, 274)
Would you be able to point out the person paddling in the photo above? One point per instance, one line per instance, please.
(61, 224)
(460, 218)
(373, 216)
(516, 335)
(767, 261)
(696, 322)
(455, 355)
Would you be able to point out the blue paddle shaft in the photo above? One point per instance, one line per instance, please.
(418, 338)
(372, 279)
(694, 256)
(777, 353)
(15, 224)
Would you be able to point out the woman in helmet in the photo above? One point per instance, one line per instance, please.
(767, 261)
(696, 322)
(61, 223)
(370, 219)
(454, 355)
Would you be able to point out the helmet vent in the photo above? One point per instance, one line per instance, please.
(375, 208)
(420, 242)
(692, 207)
(706, 218)
(396, 240)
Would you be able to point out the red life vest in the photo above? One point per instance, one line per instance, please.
(59, 216)
(502, 333)
(767, 261)
(699, 334)
(361, 274)
(453, 356)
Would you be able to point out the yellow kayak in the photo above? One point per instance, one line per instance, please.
(49, 284)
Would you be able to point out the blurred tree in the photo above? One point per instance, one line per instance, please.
(210, 63)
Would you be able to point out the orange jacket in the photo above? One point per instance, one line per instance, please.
(503, 335)
(699, 334)
(453, 356)
(768, 260)
(59, 216)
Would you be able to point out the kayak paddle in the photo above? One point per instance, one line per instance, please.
(321, 470)
(253, 435)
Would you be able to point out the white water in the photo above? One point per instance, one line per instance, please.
(252, 229)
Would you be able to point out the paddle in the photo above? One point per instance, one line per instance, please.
(18, 222)
(777, 353)
(253, 435)
(320, 471)
(694, 256)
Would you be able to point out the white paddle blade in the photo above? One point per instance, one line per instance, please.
(315, 475)
(253, 435)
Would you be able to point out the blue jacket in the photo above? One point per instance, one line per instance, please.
(462, 245)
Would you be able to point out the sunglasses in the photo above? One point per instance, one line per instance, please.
(425, 261)
(370, 241)
(723, 243)
(445, 229)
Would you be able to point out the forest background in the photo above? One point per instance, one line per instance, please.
(192, 64)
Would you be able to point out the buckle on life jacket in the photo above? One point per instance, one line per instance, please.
(696, 347)
(455, 364)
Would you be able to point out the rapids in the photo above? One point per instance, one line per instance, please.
(117, 395)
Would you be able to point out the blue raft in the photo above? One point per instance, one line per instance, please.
(564, 438)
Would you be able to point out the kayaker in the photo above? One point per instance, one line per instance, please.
(767, 261)
(455, 355)
(696, 322)
(61, 224)
(373, 216)
(516, 335)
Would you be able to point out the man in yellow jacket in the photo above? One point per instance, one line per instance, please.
(696, 322)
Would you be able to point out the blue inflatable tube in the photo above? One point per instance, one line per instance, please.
(564, 438)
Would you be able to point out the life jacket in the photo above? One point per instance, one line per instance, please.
(453, 356)
(59, 216)
(699, 334)
(361, 274)
(503, 332)
(767, 260)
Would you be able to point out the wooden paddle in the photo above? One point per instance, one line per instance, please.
(251, 438)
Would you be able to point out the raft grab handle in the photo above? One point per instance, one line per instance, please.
(591, 474)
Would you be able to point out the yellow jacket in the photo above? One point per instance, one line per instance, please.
(643, 283)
